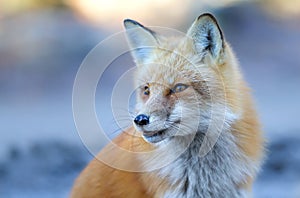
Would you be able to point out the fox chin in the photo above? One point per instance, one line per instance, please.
(195, 122)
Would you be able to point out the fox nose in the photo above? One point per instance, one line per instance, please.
(141, 119)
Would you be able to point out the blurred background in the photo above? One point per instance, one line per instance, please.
(43, 43)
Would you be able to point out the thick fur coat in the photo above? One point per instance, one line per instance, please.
(196, 131)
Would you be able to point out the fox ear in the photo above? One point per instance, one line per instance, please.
(207, 36)
(142, 40)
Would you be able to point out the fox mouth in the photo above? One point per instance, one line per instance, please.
(154, 137)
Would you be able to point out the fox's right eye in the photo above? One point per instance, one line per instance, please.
(146, 90)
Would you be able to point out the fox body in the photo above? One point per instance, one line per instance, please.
(194, 117)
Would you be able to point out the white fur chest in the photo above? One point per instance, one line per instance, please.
(218, 174)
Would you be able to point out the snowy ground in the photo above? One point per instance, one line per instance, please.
(40, 150)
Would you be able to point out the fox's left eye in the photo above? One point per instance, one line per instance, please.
(146, 90)
(179, 88)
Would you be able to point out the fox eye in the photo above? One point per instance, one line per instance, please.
(146, 90)
(179, 88)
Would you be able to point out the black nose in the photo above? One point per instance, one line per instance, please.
(141, 120)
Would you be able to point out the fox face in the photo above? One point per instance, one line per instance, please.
(181, 80)
(166, 104)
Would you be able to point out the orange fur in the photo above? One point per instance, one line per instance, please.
(101, 180)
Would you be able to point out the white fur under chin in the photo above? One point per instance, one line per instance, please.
(215, 175)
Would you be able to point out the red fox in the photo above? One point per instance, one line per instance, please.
(195, 118)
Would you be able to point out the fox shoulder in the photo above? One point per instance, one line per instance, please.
(100, 179)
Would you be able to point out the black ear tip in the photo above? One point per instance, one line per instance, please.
(207, 16)
(128, 22)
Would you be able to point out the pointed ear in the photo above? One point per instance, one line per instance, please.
(207, 36)
(141, 40)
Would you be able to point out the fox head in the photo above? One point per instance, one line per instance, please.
(186, 84)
